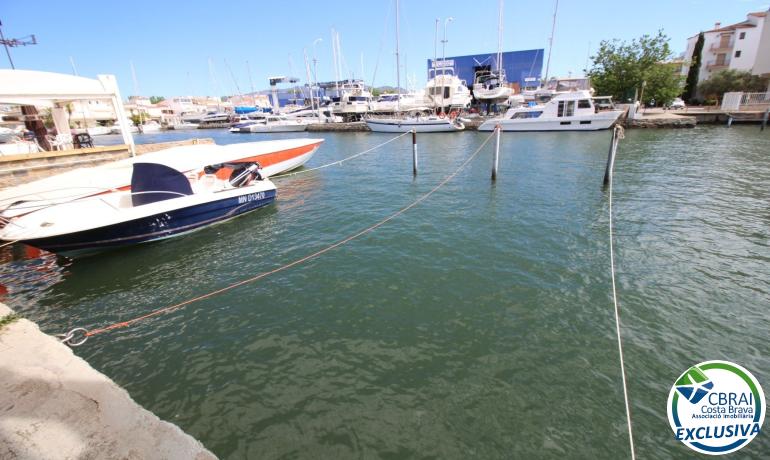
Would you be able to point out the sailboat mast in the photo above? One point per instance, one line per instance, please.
(550, 44)
(500, 40)
(398, 65)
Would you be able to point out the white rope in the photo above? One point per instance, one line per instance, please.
(342, 160)
(619, 134)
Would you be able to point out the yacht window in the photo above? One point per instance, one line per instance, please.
(526, 115)
(584, 104)
(446, 92)
(566, 109)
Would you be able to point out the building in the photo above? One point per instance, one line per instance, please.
(520, 67)
(742, 46)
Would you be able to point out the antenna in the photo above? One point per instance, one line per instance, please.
(13, 42)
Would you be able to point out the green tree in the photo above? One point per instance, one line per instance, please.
(156, 99)
(731, 80)
(619, 68)
(694, 72)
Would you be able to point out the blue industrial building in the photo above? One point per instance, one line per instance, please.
(520, 66)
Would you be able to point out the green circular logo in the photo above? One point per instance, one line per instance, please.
(716, 407)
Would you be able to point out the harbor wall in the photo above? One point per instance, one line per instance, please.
(53, 404)
(20, 169)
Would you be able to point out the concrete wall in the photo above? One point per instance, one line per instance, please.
(54, 405)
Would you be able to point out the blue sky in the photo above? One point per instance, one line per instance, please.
(171, 43)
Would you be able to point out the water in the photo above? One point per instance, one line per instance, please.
(478, 324)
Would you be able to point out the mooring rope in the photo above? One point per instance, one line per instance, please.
(620, 135)
(280, 176)
(78, 336)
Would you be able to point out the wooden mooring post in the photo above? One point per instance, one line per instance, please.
(497, 152)
(616, 135)
(414, 152)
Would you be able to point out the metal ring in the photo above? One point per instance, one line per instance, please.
(69, 339)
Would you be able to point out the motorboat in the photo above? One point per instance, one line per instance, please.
(274, 157)
(491, 86)
(568, 111)
(246, 121)
(416, 123)
(182, 125)
(446, 91)
(278, 124)
(352, 101)
(162, 202)
(149, 127)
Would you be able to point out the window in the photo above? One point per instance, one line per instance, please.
(526, 115)
(742, 36)
(566, 109)
(584, 104)
(738, 53)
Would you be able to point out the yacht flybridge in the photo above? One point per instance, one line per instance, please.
(570, 111)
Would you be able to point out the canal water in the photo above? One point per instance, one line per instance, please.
(478, 324)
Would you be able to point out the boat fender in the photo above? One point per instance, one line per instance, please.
(453, 114)
(442, 115)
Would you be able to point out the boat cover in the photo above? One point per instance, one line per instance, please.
(155, 177)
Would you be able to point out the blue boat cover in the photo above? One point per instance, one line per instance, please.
(153, 177)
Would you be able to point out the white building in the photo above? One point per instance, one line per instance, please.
(742, 46)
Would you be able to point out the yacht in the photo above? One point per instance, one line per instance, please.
(353, 101)
(489, 85)
(569, 111)
(446, 91)
(389, 103)
(278, 124)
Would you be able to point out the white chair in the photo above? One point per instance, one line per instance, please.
(61, 142)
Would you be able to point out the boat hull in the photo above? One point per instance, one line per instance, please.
(399, 126)
(595, 122)
(289, 128)
(153, 227)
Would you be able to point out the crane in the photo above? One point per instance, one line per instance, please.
(274, 89)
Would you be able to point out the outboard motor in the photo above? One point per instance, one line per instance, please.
(245, 175)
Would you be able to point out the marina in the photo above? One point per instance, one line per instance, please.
(475, 297)
(268, 250)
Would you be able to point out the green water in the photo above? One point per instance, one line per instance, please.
(478, 324)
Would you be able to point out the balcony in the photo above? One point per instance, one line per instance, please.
(714, 66)
(718, 48)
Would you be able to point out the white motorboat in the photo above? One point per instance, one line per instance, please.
(274, 157)
(389, 103)
(570, 111)
(446, 91)
(353, 101)
(491, 85)
(278, 124)
(182, 125)
(149, 127)
(163, 202)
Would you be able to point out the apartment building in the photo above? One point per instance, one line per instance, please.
(742, 46)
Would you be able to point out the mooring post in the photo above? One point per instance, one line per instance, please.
(611, 155)
(414, 152)
(764, 119)
(729, 121)
(497, 152)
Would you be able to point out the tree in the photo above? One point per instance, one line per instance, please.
(619, 69)
(731, 80)
(694, 72)
(156, 99)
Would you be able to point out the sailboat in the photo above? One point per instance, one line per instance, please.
(492, 85)
(417, 123)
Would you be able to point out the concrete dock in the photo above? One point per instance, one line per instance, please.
(54, 405)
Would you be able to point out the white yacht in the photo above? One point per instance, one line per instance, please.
(491, 85)
(446, 91)
(570, 111)
(389, 103)
(354, 101)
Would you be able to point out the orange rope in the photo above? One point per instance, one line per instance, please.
(161, 311)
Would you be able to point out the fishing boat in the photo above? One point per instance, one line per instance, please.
(274, 157)
(162, 202)
(570, 111)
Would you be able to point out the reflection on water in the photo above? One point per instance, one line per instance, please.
(477, 324)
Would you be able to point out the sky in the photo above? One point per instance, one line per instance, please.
(203, 47)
